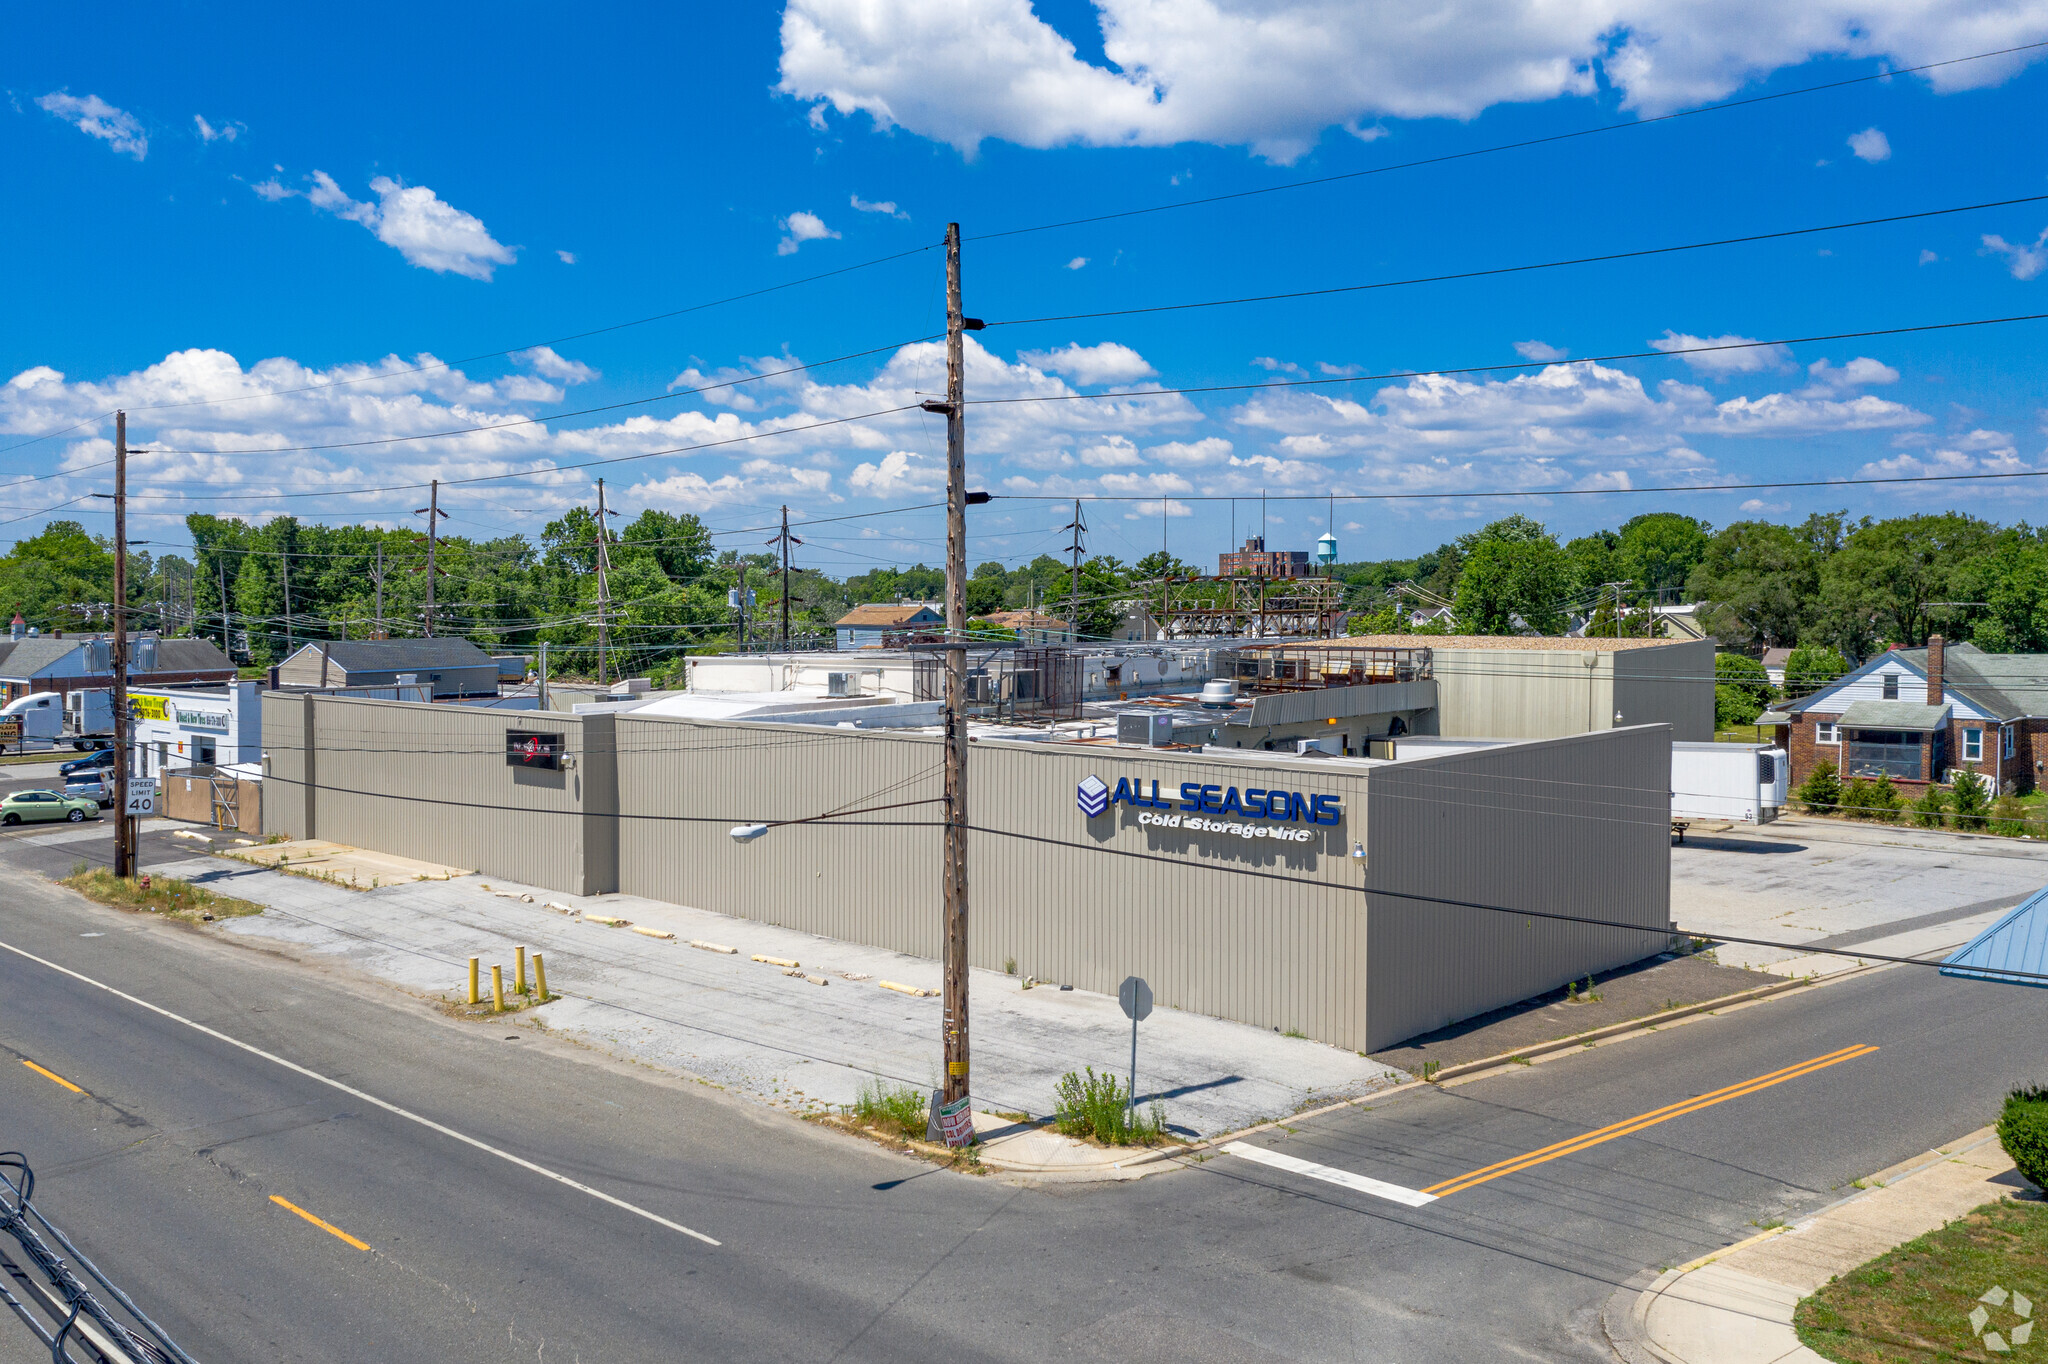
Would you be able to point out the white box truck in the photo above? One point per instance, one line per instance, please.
(1743, 783)
(40, 714)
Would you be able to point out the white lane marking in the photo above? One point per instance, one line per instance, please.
(355, 1093)
(1414, 1198)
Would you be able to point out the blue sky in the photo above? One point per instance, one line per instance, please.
(211, 203)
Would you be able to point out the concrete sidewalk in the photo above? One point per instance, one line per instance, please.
(1735, 1306)
(749, 1028)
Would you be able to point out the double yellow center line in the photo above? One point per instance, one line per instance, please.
(1643, 1120)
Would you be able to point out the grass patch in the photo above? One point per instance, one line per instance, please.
(171, 898)
(1914, 1302)
(893, 1110)
(1097, 1108)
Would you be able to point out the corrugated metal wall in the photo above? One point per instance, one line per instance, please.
(431, 782)
(1273, 952)
(1522, 693)
(1570, 826)
(1673, 685)
(1579, 825)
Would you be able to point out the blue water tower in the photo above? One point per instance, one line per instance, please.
(1326, 550)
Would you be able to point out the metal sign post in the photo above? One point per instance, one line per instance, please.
(1136, 997)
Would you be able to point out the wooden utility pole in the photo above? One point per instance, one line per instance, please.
(284, 557)
(956, 682)
(380, 591)
(124, 832)
(604, 590)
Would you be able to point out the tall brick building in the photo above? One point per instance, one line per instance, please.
(1921, 715)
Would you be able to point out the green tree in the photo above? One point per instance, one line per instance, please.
(1877, 588)
(1510, 585)
(1591, 565)
(1972, 797)
(1758, 580)
(1659, 550)
(1810, 667)
(1741, 689)
(58, 578)
(1821, 792)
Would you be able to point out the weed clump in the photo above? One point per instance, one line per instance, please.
(1098, 1108)
(895, 1110)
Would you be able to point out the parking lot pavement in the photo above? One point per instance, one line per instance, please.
(746, 1026)
(1820, 883)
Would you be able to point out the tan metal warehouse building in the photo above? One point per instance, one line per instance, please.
(1225, 878)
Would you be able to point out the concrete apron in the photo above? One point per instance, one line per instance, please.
(743, 1024)
(1735, 1306)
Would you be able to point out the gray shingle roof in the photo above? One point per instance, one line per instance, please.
(379, 655)
(23, 659)
(1907, 715)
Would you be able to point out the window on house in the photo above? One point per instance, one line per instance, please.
(1825, 733)
(1871, 752)
(2010, 732)
(1891, 686)
(1973, 745)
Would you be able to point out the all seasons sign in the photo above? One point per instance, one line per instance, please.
(1255, 812)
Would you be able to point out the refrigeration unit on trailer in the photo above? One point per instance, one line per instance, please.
(89, 717)
(1739, 783)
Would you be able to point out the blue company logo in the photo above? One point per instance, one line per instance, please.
(1254, 803)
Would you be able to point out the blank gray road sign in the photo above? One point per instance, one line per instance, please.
(1136, 997)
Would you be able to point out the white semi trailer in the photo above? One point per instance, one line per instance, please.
(1739, 783)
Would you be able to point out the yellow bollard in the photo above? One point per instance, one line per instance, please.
(519, 971)
(497, 988)
(472, 981)
(540, 977)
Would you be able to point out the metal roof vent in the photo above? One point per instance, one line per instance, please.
(1220, 694)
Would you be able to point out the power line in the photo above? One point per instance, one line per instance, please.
(1522, 144)
(1676, 351)
(494, 354)
(1519, 269)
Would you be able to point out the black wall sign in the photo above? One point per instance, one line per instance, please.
(523, 749)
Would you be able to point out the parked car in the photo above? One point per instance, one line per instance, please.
(33, 807)
(90, 762)
(96, 785)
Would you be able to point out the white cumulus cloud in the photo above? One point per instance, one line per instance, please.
(1274, 75)
(1738, 354)
(1870, 145)
(1108, 363)
(887, 206)
(95, 117)
(1541, 352)
(226, 132)
(799, 228)
(1078, 263)
(566, 257)
(2023, 260)
(410, 219)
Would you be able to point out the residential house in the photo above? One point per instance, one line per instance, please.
(1774, 665)
(1033, 627)
(452, 667)
(67, 663)
(1922, 715)
(871, 626)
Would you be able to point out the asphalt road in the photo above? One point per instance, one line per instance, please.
(167, 1170)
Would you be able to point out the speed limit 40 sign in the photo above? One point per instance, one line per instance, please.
(141, 798)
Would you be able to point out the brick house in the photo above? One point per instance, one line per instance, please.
(1922, 715)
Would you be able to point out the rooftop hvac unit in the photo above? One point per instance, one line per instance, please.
(980, 686)
(1024, 685)
(841, 684)
(99, 655)
(1150, 729)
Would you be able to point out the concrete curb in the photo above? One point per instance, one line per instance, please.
(1643, 1024)
(1747, 1327)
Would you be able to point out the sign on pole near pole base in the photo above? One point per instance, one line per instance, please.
(953, 1123)
(1136, 997)
(141, 798)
